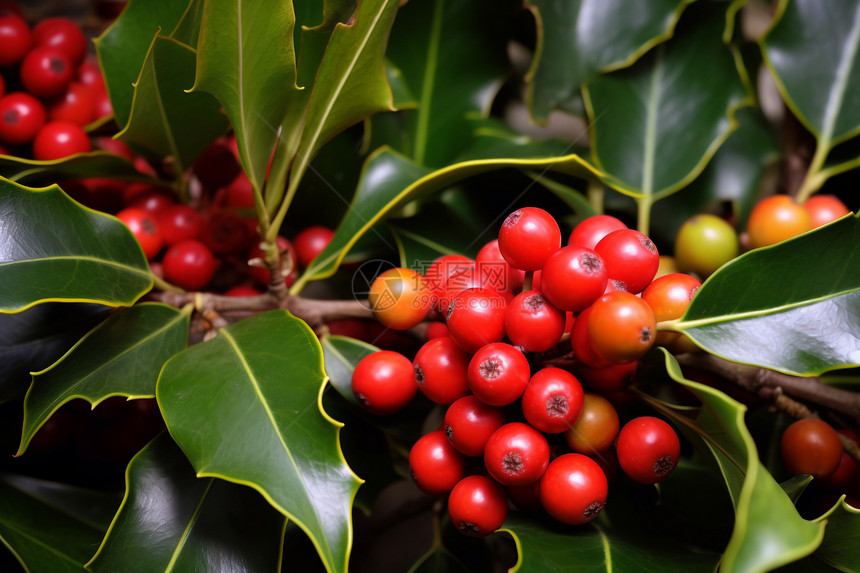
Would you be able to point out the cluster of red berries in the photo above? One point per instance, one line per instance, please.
(50, 88)
(547, 436)
(212, 236)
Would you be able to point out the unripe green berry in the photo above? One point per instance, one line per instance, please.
(704, 243)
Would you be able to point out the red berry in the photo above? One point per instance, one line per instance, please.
(528, 237)
(383, 382)
(490, 254)
(498, 373)
(823, 209)
(630, 257)
(59, 139)
(573, 489)
(189, 264)
(597, 426)
(310, 242)
(533, 323)
(15, 39)
(62, 34)
(516, 454)
(476, 317)
(226, 233)
(217, 166)
(144, 228)
(435, 465)
(437, 274)
(21, 118)
(469, 423)
(552, 401)
(573, 278)
(477, 506)
(179, 222)
(811, 446)
(590, 230)
(46, 72)
(76, 105)
(239, 194)
(648, 449)
(440, 370)
(621, 327)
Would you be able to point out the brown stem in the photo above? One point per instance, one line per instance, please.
(761, 381)
(313, 311)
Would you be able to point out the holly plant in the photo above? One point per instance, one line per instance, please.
(204, 400)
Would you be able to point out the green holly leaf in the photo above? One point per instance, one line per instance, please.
(389, 180)
(35, 338)
(120, 357)
(734, 174)
(79, 166)
(350, 84)
(768, 531)
(246, 59)
(54, 249)
(255, 388)
(592, 39)
(170, 519)
(820, 40)
(164, 118)
(52, 527)
(123, 46)
(657, 124)
(428, 43)
(758, 309)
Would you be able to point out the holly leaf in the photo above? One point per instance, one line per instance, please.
(812, 51)
(733, 174)
(54, 249)
(256, 389)
(35, 173)
(123, 46)
(341, 354)
(164, 118)
(171, 520)
(351, 83)
(768, 531)
(246, 59)
(427, 44)
(120, 357)
(78, 519)
(657, 124)
(389, 180)
(35, 338)
(758, 310)
(579, 39)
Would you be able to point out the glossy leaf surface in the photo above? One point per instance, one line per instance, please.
(657, 123)
(52, 527)
(428, 43)
(35, 338)
(799, 317)
(120, 357)
(86, 257)
(172, 520)
(733, 174)
(246, 59)
(123, 46)
(813, 51)
(768, 531)
(351, 82)
(164, 118)
(93, 164)
(256, 388)
(592, 38)
(390, 180)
